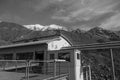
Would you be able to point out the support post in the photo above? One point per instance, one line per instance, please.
(77, 65)
(113, 68)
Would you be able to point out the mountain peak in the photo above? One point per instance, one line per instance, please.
(38, 27)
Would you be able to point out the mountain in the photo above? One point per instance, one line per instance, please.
(38, 27)
(103, 35)
(11, 31)
(94, 35)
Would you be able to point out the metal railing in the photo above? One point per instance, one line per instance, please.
(52, 69)
(35, 69)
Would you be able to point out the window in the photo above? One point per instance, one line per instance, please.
(24, 56)
(6, 56)
(39, 55)
(52, 56)
(78, 56)
(64, 56)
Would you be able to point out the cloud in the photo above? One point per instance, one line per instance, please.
(112, 22)
(40, 5)
(85, 10)
(83, 13)
(10, 17)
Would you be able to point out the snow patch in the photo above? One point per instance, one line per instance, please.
(38, 27)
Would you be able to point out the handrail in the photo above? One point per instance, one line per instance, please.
(14, 60)
(56, 77)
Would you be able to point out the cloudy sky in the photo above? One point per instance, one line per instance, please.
(83, 14)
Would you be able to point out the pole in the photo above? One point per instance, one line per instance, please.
(28, 69)
(59, 68)
(54, 68)
(16, 65)
(26, 74)
(89, 72)
(86, 75)
(113, 68)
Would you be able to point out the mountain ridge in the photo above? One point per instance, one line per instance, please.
(10, 32)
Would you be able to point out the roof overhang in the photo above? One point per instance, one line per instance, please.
(107, 45)
(29, 43)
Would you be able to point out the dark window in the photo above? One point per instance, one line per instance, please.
(64, 56)
(39, 55)
(78, 56)
(52, 56)
(24, 56)
(6, 56)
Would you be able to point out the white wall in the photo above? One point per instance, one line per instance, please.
(58, 44)
(78, 69)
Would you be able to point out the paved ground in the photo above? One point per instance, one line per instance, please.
(20, 76)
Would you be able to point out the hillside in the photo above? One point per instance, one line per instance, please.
(11, 31)
(100, 35)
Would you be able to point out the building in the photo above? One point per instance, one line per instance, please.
(48, 47)
(69, 47)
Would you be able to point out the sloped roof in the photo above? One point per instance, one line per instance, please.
(77, 39)
(73, 38)
(45, 41)
(37, 35)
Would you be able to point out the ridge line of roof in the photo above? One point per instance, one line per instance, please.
(62, 35)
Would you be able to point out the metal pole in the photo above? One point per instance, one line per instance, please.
(113, 68)
(54, 68)
(59, 68)
(16, 65)
(69, 70)
(89, 72)
(28, 69)
(86, 75)
(26, 74)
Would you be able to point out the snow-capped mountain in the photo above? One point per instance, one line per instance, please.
(38, 27)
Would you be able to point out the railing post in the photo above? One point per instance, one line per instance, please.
(113, 68)
(16, 65)
(55, 68)
(69, 66)
(27, 69)
(89, 71)
(26, 72)
(87, 75)
(4, 65)
(59, 68)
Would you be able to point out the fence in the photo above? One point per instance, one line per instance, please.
(34, 70)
